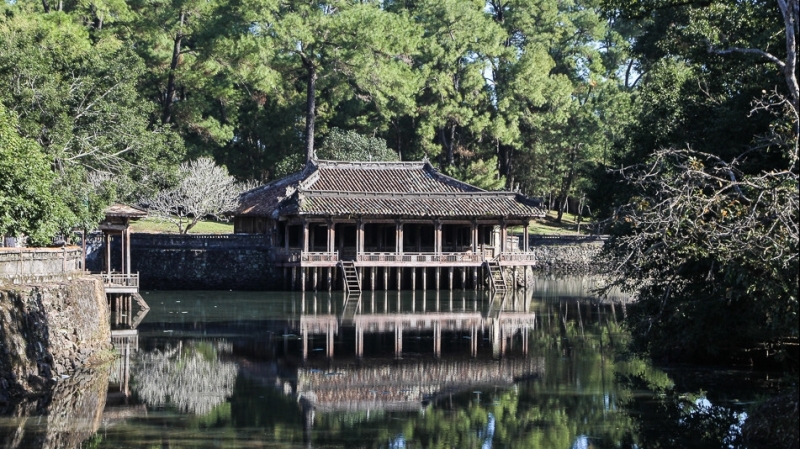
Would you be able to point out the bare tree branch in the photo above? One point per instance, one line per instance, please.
(205, 189)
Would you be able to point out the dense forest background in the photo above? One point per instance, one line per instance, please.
(677, 121)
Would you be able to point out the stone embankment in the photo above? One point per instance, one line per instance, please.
(53, 320)
(197, 261)
(568, 254)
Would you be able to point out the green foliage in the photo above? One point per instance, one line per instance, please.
(480, 174)
(350, 146)
(77, 97)
(706, 236)
(27, 203)
(290, 164)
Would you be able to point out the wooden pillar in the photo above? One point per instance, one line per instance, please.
(399, 278)
(359, 341)
(122, 251)
(463, 278)
(294, 276)
(413, 278)
(437, 237)
(305, 236)
(128, 252)
(475, 278)
(398, 237)
(329, 341)
(315, 277)
(386, 278)
(450, 269)
(304, 334)
(438, 277)
(359, 238)
(286, 236)
(372, 278)
(474, 341)
(107, 238)
(329, 276)
(424, 278)
(526, 243)
(437, 339)
(302, 279)
(503, 231)
(331, 247)
(474, 230)
(398, 340)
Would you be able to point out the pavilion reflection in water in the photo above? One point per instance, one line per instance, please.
(502, 315)
(382, 378)
(408, 383)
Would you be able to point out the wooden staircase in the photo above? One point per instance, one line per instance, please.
(352, 284)
(497, 279)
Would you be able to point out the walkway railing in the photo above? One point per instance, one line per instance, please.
(516, 257)
(406, 258)
(419, 257)
(307, 256)
(120, 279)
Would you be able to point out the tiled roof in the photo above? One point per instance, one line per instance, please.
(383, 177)
(487, 204)
(332, 188)
(122, 210)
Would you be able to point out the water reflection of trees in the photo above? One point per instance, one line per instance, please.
(189, 377)
(589, 394)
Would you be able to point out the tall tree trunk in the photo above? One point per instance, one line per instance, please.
(311, 105)
(567, 183)
(450, 151)
(447, 147)
(170, 94)
(505, 155)
(46, 6)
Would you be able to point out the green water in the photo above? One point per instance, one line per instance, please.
(543, 368)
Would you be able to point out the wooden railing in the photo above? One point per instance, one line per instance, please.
(516, 257)
(120, 279)
(307, 256)
(419, 257)
(468, 257)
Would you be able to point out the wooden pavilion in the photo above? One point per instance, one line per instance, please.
(121, 286)
(395, 219)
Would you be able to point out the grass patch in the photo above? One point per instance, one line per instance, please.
(568, 225)
(157, 226)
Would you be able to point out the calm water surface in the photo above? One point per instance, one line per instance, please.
(460, 369)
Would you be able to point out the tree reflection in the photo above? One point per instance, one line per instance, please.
(191, 377)
(591, 393)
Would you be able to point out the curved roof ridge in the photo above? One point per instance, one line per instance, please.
(323, 163)
(478, 193)
(449, 179)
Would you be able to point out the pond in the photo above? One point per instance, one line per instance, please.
(462, 369)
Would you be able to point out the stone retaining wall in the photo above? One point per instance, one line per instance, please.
(203, 262)
(574, 257)
(50, 329)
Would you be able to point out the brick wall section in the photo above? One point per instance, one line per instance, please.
(203, 262)
(25, 262)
